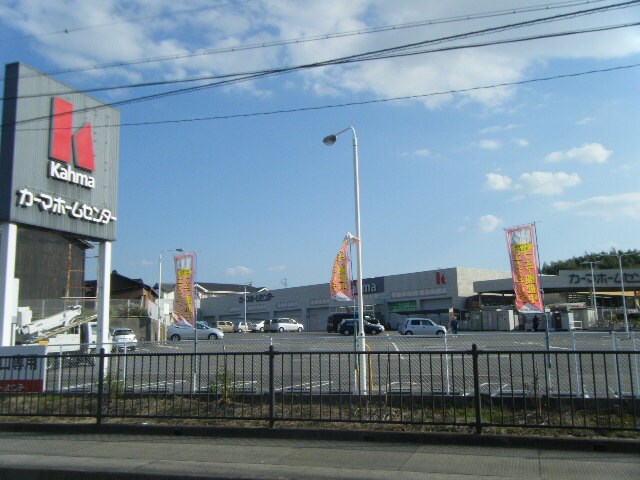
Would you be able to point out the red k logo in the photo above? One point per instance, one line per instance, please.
(64, 141)
(440, 279)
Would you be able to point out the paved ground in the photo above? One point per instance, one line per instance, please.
(48, 453)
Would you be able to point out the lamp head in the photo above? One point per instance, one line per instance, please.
(179, 249)
(329, 140)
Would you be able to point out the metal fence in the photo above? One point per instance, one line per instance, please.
(473, 388)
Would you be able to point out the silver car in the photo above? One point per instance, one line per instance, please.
(282, 325)
(421, 326)
(187, 332)
(241, 327)
(123, 339)
(257, 326)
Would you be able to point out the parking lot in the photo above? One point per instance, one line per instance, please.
(329, 362)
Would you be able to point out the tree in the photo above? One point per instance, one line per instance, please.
(607, 261)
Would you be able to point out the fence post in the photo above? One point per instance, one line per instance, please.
(101, 376)
(476, 388)
(272, 390)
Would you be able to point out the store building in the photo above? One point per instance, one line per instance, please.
(435, 293)
(569, 297)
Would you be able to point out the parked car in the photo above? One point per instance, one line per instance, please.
(349, 326)
(333, 321)
(222, 325)
(187, 332)
(421, 326)
(242, 326)
(123, 339)
(282, 325)
(257, 326)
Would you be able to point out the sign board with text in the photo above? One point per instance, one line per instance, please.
(58, 157)
(23, 369)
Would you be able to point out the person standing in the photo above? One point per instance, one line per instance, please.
(454, 325)
(536, 323)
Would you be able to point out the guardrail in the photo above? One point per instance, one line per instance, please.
(570, 390)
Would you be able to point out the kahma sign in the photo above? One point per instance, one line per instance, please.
(58, 157)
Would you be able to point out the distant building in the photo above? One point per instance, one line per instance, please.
(434, 293)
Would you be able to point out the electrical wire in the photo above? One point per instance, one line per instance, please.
(376, 54)
(301, 40)
(366, 102)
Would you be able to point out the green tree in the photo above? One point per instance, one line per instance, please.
(608, 260)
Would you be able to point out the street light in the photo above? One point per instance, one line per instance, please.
(328, 141)
(593, 286)
(160, 285)
(624, 299)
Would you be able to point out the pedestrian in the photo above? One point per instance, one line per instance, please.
(454, 325)
(536, 323)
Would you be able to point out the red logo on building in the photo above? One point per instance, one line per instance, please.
(440, 279)
(64, 141)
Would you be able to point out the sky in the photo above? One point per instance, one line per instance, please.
(470, 117)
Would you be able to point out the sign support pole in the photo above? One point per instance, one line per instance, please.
(104, 295)
(8, 290)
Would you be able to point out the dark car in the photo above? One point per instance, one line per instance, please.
(348, 327)
(333, 321)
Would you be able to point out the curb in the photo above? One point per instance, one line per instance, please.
(598, 444)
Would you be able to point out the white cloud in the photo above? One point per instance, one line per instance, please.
(625, 206)
(119, 30)
(238, 271)
(490, 144)
(585, 121)
(277, 268)
(497, 128)
(488, 223)
(587, 153)
(521, 142)
(547, 183)
(422, 152)
(496, 181)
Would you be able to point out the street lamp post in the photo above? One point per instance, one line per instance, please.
(593, 286)
(624, 299)
(160, 285)
(245, 305)
(328, 141)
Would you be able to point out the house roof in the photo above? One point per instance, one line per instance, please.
(119, 284)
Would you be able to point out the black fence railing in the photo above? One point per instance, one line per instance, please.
(475, 388)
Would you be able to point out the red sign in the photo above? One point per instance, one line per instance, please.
(21, 386)
(63, 138)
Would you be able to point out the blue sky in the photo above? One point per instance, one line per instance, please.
(261, 199)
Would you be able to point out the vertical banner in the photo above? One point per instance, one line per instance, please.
(524, 268)
(184, 295)
(340, 284)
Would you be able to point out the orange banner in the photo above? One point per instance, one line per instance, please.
(184, 295)
(524, 268)
(340, 284)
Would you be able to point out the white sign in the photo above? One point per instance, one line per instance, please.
(23, 369)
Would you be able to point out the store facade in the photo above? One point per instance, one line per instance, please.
(434, 293)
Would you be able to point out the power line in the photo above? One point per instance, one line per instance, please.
(301, 40)
(371, 55)
(370, 102)
(387, 100)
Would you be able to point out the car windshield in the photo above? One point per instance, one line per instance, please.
(123, 331)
